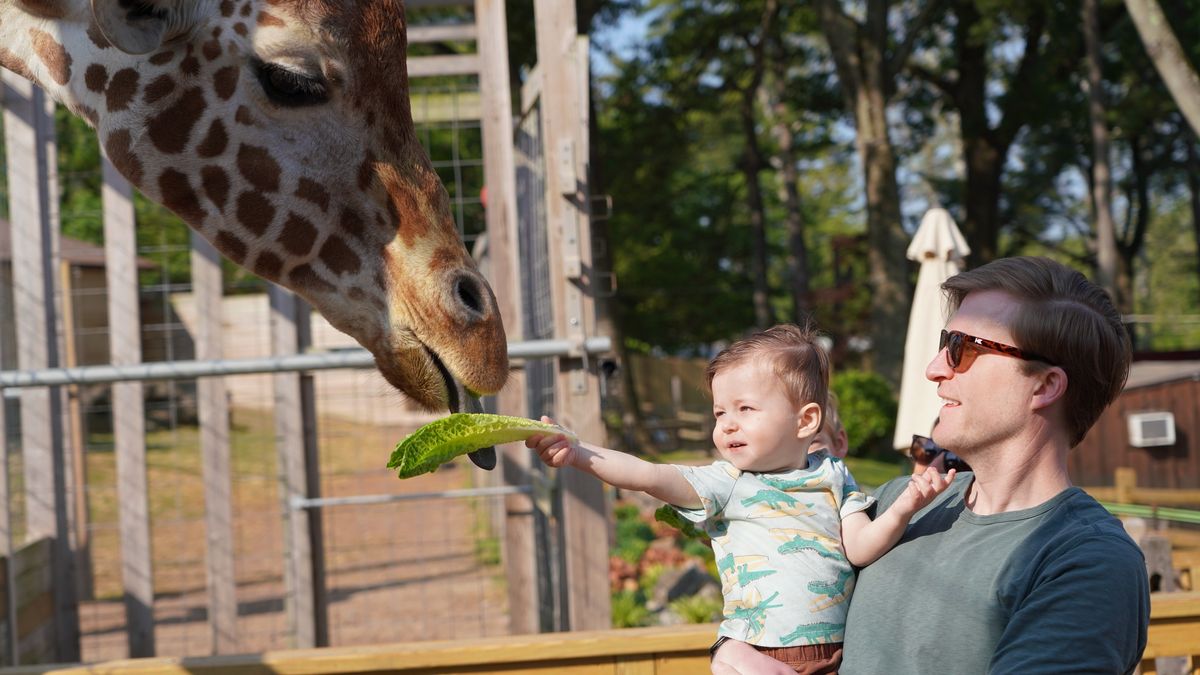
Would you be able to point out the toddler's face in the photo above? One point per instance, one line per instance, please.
(757, 426)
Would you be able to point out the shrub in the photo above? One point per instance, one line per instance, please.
(629, 609)
(698, 608)
(867, 408)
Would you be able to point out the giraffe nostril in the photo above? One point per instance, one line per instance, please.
(469, 294)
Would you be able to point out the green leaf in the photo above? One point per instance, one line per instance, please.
(439, 441)
(668, 515)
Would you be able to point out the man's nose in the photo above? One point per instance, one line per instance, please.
(939, 368)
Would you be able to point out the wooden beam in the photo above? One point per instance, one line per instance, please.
(440, 66)
(128, 410)
(584, 513)
(440, 107)
(214, 450)
(463, 32)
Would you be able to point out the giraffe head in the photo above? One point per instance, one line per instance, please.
(281, 131)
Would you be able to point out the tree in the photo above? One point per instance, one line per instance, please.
(1168, 56)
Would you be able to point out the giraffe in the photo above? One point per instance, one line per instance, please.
(281, 131)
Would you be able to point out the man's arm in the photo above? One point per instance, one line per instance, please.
(1088, 612)
(618, 469)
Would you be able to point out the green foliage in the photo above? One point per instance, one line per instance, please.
(698, 608)
(868, 409)
(632, 533)
(629, 609)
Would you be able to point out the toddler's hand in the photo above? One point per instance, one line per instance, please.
(555, 450)
(922, 488)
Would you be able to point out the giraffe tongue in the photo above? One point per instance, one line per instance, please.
(484, 458)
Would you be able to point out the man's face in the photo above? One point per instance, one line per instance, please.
(990, 402)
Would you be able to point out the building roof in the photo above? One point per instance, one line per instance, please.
(1149, 373)
(73, 251)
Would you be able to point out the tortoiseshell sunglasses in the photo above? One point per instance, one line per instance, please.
(961, 350)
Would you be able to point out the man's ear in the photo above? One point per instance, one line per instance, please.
(141, 26)
(808, 420)
(1051, 387)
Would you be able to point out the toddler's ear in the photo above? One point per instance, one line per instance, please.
(808, 420)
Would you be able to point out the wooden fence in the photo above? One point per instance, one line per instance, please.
(1174, 631)
(29, 583)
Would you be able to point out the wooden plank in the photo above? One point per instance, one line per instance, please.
(295, 434)
(463, 32)
(128, 410)
(73, 424)
(440, 66)
(8, 652)
(562, 58)
(33, 211)
(214, 448)
(420, 4)
(503, 270)
(444, 107)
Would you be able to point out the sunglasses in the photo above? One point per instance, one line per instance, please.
(924, 450)
(961, 350)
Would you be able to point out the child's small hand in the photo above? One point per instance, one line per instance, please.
(555, 450)
(922, 488)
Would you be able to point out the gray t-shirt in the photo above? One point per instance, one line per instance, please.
(1057, 588)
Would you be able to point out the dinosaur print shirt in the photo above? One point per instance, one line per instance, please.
(777, 540)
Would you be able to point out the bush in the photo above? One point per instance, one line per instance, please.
(629, 609)
(868, 410)
(698, 608)
(633, 534)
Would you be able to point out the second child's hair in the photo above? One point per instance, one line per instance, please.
(801, 364)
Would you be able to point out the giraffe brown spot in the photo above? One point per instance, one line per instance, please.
(226, 7)
(240, 29)
(46, 9)
(215, 141)
(10, 61)
(338, 257)
(171, 128)
(190, 66)
(215, 182)
(228, 243)
(268, 265)
(365, 171)
(225, 82)
(52, 54)
(314, 192)
(162, 57)
(266, 19)
(211, 49)
(121, 89)
(178, 195)
(356, 294)
(158, 88)
(259, 167)
(118, 147)
(255, 212)
(351, 223)
(305, 277)
(97, 36)
(246, 9)
(444, 259)
(88, 113)
(216, 32)
(298, 235)
(95, 77)
(243, 116)
(371, 118)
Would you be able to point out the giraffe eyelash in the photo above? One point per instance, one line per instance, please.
(290, 88)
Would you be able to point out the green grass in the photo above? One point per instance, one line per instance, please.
(871, 473)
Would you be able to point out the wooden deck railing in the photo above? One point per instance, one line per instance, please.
(1174, 631)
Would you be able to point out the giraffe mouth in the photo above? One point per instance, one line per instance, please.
(456, 396)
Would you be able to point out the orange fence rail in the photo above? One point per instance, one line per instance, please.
(674, 650)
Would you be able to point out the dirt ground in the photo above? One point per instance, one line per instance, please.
(399, 572)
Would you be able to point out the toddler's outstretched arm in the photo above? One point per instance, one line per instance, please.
(618, 469)
(865, 539)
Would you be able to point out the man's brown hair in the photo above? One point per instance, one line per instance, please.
(1066, 319)
(801, 364)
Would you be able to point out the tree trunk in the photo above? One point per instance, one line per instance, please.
(1106, 232)
(1193, 174)
(1168, 57)
(984, 160)
(789, 173)
(858, 52)
(752, 165)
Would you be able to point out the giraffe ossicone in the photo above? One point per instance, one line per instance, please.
(281, 131)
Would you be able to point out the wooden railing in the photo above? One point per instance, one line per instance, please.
(1174, 631)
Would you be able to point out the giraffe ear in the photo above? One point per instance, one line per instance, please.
(140, 26)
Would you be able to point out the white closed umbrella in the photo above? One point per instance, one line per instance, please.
(940, 248)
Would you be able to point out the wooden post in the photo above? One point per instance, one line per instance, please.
(73, 423)
(128, 410)
(33, 197)
(214, 448)
(499, 162)
(562, 58)
(1125, 481)
(296, 443)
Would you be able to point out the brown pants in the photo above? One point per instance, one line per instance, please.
(808, 659)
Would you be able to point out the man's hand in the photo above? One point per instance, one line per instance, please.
(734, 656)
(556, 450)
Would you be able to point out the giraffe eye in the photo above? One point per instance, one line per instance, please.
(289, 88)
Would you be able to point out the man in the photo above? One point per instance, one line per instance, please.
(1011, 570)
